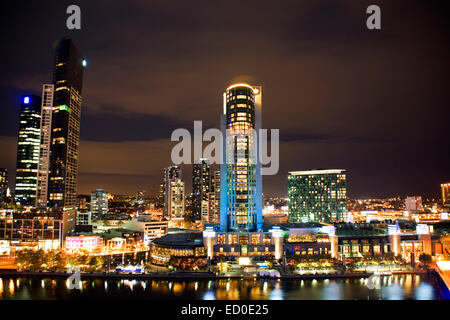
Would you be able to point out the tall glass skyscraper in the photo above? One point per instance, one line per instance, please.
(201, 185)
(65, 137)
(67, 78)
(28, 150)
(241, 184)
(317, 195)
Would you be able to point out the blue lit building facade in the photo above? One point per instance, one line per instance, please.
(241, 233)
(241, 184)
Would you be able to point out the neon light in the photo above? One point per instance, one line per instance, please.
(255, 91)
(64, 107)
(26, 100)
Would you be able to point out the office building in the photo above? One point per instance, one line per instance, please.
(172, 173)
(83, 218)
(151, 228)
(99, 203)
(4, 185)
(413, 203)
(445, 190)
(28, 144)
(317, 196)
(241, 184)
(201, 185)
(82, 201)
(65, 137)
(44, 153)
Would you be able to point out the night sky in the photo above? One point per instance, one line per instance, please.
(373, 102)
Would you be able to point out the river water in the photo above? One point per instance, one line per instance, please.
(395, 287)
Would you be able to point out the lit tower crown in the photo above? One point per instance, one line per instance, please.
(241, 185)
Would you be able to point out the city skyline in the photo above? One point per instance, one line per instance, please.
(141, 160)
(386, 156)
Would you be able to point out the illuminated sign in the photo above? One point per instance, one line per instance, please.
(422, 229)
(393, 229)
(244, 261)
(276, 232)
(209, 232)
(330, 230)
(26, 100)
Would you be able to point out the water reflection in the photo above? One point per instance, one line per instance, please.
(392, 288)
(424, 292)
(332, 291)
(209, 295)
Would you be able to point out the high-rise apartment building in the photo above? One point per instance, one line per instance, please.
(241, 184)
(317, 195)
(4, 184)
(176, 201)
(65, 136)
(201, 185)
(28, 144)
(99, 203)
(172, 173)
(214, 199)
(44, 154)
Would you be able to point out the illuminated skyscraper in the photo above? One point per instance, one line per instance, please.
(44, 154)
(214, 200)
(317, 195)
(201, 185)
(171, 174)
(176, 201)
(241, 185)
(28, 150)
(65, 137)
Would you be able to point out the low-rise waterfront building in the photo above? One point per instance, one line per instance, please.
(179, 245)
(151, 228)
(31, 230)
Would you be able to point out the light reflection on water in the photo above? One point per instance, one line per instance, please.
(392, 288)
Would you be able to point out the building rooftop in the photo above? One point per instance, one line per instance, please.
(316, 171)
(181, 240)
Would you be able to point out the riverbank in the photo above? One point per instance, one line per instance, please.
(185, 275)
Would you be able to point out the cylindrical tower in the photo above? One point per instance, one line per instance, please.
(241, 189)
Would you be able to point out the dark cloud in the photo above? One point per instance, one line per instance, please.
(373, 102)
(134, 127)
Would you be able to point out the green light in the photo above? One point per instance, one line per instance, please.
(64, 107)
